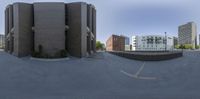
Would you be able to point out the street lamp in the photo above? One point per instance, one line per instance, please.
(165, 41)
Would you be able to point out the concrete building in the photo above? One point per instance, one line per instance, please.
(128, 47)
(127, 43)
(127, 40)
(54, 26)
(152, 43)
(199, 39)
(175, 40)
(115, 43)
(187, 34)
(2, 41)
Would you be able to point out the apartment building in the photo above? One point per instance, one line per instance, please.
(2, 41)
(187, 34)
(152, 43)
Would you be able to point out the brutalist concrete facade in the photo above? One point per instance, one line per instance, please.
(54, 26)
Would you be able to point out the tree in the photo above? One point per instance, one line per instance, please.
(188, 46)
(99, 45)
(177, 46)
(198, 46)
(182, 46)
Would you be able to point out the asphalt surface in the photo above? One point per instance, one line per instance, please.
(102, 76)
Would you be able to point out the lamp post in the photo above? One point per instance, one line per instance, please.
(165, 41)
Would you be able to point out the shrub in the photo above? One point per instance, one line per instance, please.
(40, 48)
(41, 54)
(35, 54)
(177, 46)
(198, 46)
(188, 46)
(63, 53)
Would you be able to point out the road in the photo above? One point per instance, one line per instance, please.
(102, 76)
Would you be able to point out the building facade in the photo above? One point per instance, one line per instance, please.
(199, 39)
(187, 34)
(175, 40)
(2, 41)
(127, 40)
(152, 43)
(127, 44)
(115, 43)
(54, 26)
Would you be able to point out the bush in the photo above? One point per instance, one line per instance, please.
(63, 53)
(182, 46)
(35, 54)
(40, 48)
(41, 54)
(188, 46)
(198, 46)
(177, 46)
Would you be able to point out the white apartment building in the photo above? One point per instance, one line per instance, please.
(2, 41)
(152, 43)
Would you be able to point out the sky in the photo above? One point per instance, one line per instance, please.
(133, 17)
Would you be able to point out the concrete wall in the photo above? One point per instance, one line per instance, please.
(83, 32)
(45, 24)
(75, 29)
(10, 17)
(159, 56)
(94, 28)
(49, 27)
(22, 29)
(6, 28)
(91, 24)
(10, 27)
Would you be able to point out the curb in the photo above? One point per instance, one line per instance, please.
(49, 60)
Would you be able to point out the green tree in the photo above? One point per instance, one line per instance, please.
(198, 46)
(177, 46)
(99, 45)
(182, 46)
(188, 46)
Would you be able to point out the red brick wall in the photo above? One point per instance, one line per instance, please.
(115, 43)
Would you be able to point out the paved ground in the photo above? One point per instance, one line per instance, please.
(104, 76)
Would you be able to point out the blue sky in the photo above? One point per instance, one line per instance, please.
(133, 17)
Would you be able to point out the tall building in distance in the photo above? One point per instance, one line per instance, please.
(115, 43)
(187, 34)
(127, 40)
(2, 41)
(199, 39)
(175, 40)
(127, 43)
(54, 26)
(152, 43)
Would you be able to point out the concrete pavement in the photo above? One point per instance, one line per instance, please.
(100, 77)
